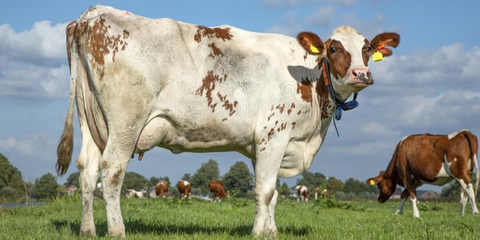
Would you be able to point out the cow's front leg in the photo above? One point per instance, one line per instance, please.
(267, 166)
(113, 166)
(404, 196)
(463, 201)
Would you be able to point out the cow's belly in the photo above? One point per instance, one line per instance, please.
(163, 132)
(439, 181)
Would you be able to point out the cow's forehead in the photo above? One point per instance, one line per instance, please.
(351, 41)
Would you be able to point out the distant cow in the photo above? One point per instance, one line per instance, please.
(217, 189)
(161, 188)
(323, 193)
(184, 188)
(431, 159)
(302, 192)
(136, 194)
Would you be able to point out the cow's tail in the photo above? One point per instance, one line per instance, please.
(473, 142)
(65, 144)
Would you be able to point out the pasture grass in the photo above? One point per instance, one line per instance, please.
(233, 219)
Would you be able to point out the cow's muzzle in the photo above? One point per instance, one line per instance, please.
(361, 76)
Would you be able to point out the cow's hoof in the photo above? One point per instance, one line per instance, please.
(475, 214)
(398, 213)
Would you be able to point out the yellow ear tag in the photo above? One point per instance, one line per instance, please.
(314, 49)
(371, 181)
(377, 56)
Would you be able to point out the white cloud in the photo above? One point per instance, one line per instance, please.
(33, 63)
(287, 25)
(380, 130)
(323, 17)
(38, 145)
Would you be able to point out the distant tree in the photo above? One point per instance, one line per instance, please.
(312, 180)
(355, 186)
(153, 181)
(334, 185)
(186, 176)
(10, 176)
(207, 172)
(46, 186)
(238, 179)
(135, 181)
(73, 179)
(284, 190)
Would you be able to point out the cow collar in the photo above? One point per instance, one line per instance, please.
(339, 104)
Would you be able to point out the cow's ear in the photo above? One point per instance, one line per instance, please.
(311, 43)
(375, 180)
(381, 41)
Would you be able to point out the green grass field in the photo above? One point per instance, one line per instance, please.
(233, 219)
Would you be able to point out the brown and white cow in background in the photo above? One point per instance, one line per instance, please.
(218, 190)
(184, 188)
(431, 159)
(136, 194)
(140, 83)
(320, 192)
(161, 188)
(302, 193)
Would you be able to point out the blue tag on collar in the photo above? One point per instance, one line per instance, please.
(338, 113)
(350, 105)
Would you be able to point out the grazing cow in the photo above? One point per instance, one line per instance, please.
(161, 188)
(431, 159)
(318, 191)
(136, 194)
(184, 188)
(140, 83)
(217, 189)
(302, 192)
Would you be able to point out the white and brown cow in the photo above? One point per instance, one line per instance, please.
(161, 189)
(140, 83)
(184, 187)
(218, 190)
(136, 194)
(431, 159)
(302, 192)
(319, 192)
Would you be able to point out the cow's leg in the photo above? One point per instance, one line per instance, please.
(463, 201)
(113, 166)
(413, 198)
(404, 197)
(267, 166)
(470, 193)
(88, 164)
(270, 223)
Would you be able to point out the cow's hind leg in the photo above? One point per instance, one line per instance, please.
(468, 187)
(88, 164)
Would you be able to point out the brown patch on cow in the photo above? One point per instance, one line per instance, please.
(225, 119)
(215, 51)
(270, 134)
(226, 103)
(208, 85)
(305, 90)
(293, 125)
(220, 33)
(263, 141)
(105, 164)
(298, 113)
(323, 97)
(283, 126)
(263, 149)
(116, 177)
(276, 122)
(99, 43)
(265, 127)
(271, 115)
(291, 109)
(366, 52)
(339, 60)
(281, 108)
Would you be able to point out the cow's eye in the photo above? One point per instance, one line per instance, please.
(369, 49)
(333, 49)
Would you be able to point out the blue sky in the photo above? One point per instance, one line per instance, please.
(430, 84)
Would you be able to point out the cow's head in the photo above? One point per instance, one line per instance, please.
(348, 53)
(385, 184)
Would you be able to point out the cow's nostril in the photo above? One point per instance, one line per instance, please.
(354, 73)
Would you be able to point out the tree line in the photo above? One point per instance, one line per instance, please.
(238, 181)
